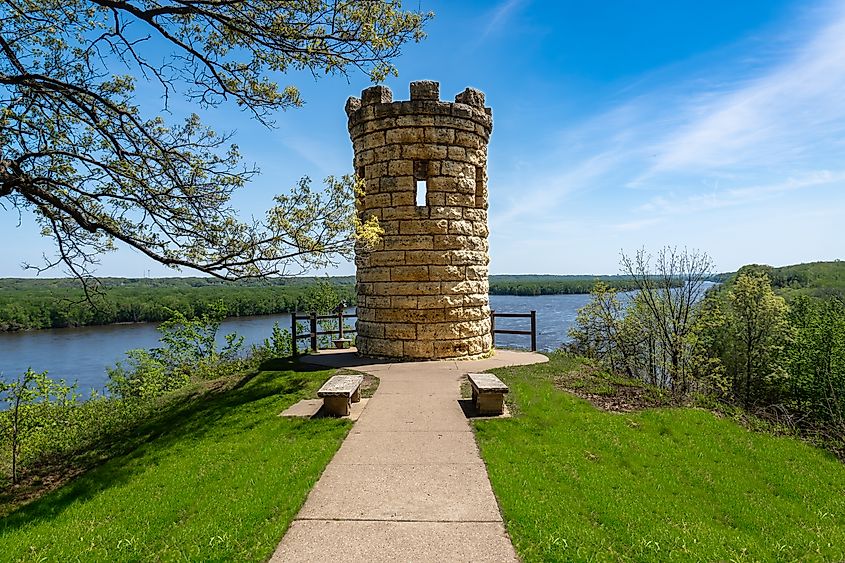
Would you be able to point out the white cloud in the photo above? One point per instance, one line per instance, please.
(636, 225)
(716, 198)
(721, 154)
(533, 196)
(499, 17)
(790, 115)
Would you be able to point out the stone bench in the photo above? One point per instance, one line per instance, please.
(341, 342)
(488, 393)
(339, 392)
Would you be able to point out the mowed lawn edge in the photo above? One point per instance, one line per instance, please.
(221, 478)
(575, 483)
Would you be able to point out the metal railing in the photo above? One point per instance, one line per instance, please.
(532, 333)
(313, 332)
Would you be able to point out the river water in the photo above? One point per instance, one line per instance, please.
(82, 354)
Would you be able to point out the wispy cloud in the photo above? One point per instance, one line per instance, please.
(763, 128)
(701, 147)
(792, 114)
(500, 16)
(636, 225)
(717, 199)
(534, 195)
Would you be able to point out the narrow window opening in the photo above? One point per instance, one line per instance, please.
(421, 182)
(479, 186)
(422, 189)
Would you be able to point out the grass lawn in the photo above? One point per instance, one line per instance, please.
(578, 483)
(220, 478)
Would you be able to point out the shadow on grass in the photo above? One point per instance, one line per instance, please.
(187, 418)
(471, 412)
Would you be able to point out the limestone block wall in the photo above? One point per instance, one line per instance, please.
(423, 291)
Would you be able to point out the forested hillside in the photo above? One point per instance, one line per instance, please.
(816, 279)
(553, 285)
(53, 303)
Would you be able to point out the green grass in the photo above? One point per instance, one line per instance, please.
(579, 484)
(221, 478)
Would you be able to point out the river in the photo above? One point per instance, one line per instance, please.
(82, 354)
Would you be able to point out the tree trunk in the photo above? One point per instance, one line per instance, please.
(748, 376)
(15, 439)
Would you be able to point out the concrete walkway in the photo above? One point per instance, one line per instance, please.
(408, 483)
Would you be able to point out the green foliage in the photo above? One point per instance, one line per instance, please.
(555, 285)
(598, 324)
(96, 169)
(189, 349)
(814, 279)
(758, 331)
(35, 404)
(190, 341)
(53, 303)
(778, 357)
(278, 345)
(816, 359)
(649, 339)
(322, 297)
(578, 484)
(742, 344)
(143, 376)
(212, 473)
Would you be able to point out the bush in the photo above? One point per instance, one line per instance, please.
(143, 376)
(37, 407)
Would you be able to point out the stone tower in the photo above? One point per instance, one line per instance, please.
(423, 291)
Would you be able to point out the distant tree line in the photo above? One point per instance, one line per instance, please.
(741, 343)
(555, 287)
(28, 304)
(558, 285)
(38, 304)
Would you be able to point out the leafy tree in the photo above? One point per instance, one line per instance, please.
(322, 297)
(96, 169)
(622, 334)
(598, 324)
(143, 376)
(189, 347)
(756, 320)
(279, 343)
(32, 400)
(816, 358)
(669, 289)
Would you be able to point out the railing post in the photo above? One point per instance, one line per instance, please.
(493, 326)
(313, 319)
(294, 349)
(533, 331)
(340, 324)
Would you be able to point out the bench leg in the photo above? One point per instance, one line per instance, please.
(490, 403)
(356, 396)
(336, 406)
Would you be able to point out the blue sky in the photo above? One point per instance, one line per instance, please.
(716, 125)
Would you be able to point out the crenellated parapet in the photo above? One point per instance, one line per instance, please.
(423, 291)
